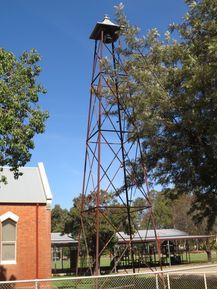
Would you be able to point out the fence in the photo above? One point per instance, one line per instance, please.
(168, 279)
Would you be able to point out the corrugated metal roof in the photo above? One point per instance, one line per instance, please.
(149, 235)
(28, 188)
(59, 238)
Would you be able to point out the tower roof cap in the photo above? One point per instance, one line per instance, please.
(109, 29)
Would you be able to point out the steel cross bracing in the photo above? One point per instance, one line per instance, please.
(110, 163)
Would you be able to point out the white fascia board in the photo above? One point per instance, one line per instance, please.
(45, 183)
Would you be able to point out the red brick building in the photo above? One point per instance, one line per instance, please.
(25, 225)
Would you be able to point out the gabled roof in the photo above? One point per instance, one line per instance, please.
(31, 187)
(59, 238)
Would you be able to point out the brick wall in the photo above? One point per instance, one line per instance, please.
(27, 254)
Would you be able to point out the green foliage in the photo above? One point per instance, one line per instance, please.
(176, 213)
(173, 102)
(59, 218)
(164, 213)
(86, 226)
(20, 115)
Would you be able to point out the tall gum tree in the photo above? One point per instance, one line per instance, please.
(173, 102)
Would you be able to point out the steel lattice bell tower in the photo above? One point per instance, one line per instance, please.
(109, 168)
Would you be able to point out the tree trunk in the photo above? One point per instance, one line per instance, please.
(209, 255)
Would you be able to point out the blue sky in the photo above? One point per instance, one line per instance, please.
(59, 30)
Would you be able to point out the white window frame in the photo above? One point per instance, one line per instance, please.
(15, 218)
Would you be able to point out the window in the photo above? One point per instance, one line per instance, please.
(8, 238)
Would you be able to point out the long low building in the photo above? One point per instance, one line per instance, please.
(62, 240)
(64, 253)
(173, 245)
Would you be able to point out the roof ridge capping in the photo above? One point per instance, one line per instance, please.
(45, 183)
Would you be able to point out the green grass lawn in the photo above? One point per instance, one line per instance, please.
(59, 264)
(200, 257)
(104, 261)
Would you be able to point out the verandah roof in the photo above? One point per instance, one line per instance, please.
(142, 236)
